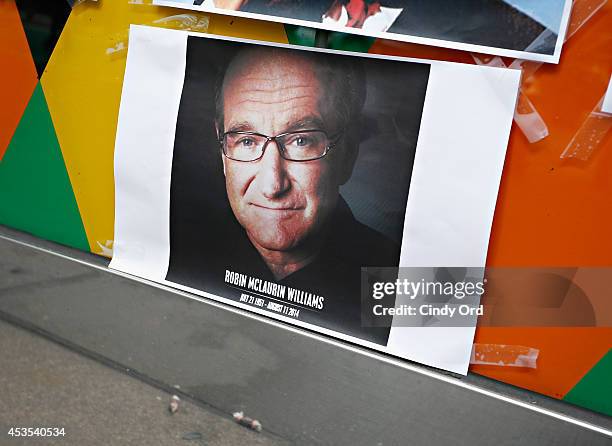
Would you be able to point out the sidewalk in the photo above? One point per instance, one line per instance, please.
(300, 386)
(43, 384)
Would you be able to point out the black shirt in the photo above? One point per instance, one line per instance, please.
(335, 274)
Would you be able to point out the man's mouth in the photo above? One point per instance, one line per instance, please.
(277, 207)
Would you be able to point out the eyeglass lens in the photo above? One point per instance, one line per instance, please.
(296, 146)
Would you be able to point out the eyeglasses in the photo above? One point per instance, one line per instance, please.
(304, 145)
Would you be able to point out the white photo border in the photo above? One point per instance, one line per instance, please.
(146, 225)
(516, 54)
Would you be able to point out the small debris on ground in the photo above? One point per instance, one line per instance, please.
(192, 436)
(246, 421)
(174, 404)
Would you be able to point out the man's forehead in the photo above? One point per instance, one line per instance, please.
(264, 88)
(267, 68)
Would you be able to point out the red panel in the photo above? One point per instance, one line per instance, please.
(18, 74)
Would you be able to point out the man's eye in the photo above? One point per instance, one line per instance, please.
(300, 141)
(246, 142)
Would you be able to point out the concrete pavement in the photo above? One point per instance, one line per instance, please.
(43, 384)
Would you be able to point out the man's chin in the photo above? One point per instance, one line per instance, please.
(274, 240)
(274, 244)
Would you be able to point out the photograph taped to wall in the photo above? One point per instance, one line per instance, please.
(265, 176)
(524, 29)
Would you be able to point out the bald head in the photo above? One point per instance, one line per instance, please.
(338, 83)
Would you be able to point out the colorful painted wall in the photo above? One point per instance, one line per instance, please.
(56, 164)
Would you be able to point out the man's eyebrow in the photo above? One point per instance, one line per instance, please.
(243, 126)
(307, 123)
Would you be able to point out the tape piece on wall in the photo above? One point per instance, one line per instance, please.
(503, 355)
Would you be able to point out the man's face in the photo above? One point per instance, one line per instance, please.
(280, 203)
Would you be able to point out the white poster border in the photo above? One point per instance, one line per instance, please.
(479, 115)
(496, 51)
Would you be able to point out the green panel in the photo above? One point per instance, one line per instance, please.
(350, 42)
(594, 391)
(301, 35)
(35, 191)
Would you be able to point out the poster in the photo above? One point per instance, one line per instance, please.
(524, 29)
(266, 176)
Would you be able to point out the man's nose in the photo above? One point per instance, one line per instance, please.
(272, 174)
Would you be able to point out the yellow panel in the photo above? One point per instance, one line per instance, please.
(82, 84)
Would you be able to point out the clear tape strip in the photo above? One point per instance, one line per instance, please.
(589, 136)
(582, 11)
(505, 355)
(529, 120)
(188, 22)
(74, 3)
(185, 22)
(526, 116)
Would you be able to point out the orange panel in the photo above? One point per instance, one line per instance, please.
(395, 48)
(552, 212)
(549, 212)
(566, 355)
(18, 74)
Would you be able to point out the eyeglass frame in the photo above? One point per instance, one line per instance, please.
(279, 146)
